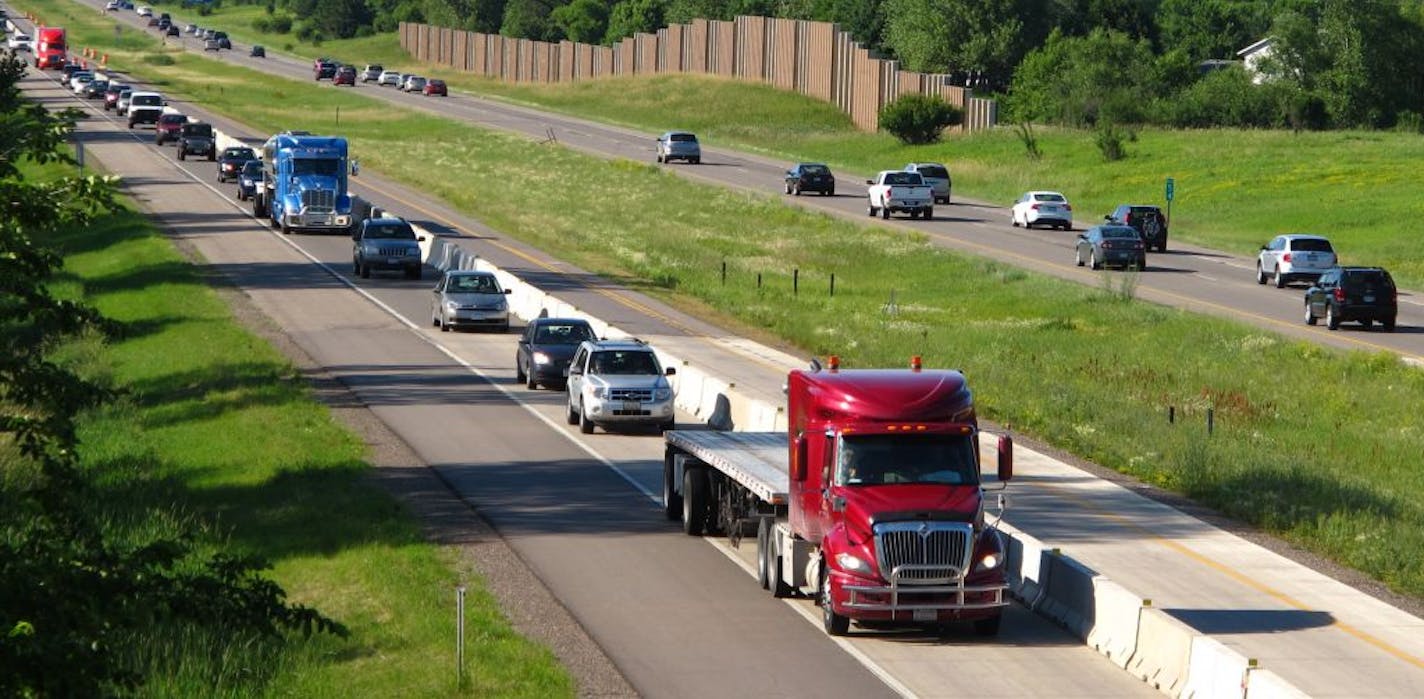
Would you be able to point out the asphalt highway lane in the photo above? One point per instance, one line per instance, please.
(669, 609)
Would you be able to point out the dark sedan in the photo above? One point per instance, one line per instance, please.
(545, 349)
(810, 177)
(230, 161)
(248, 179)
(111, 95)
(96, 89)
(1115, 246)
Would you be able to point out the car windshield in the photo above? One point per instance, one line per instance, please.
(173, 118)
(1143, 211)
(395, 231)
(682, 138)
(933, 171)
(473, 284)
(239, 154)
(1311, 245)
(1048, 196)
(1118, 232)
(623, 362)
(815, 169)
(437, 83)
(562, 334)
(906, 459)
(198, 130)
(147, 101)
(312, 166)
(252, 168)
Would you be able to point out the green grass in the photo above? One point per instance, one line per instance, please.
(1310, 443)
(217, 431)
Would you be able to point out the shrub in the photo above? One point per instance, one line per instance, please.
(917, 119)
(1109, 139)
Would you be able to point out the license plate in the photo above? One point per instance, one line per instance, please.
(1369, 299)
(924, 615)
(1050, 209)
(393, 260)
(631, 406)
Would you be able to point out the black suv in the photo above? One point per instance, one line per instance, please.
(1149, 221)
(231, 161)
(1363, 294)
(386, 244)
(196, 138)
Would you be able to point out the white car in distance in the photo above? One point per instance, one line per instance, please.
(1294, 257)
(1042, 208)
(20, 42)
(389, 77)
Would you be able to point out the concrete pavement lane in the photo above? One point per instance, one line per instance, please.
(669, 609)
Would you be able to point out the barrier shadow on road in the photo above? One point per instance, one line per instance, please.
(1214, 622)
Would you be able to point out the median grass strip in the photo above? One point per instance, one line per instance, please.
(1315, 445)
(1235, 189)
(216, 431)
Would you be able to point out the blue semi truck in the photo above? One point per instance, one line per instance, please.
(304, 184)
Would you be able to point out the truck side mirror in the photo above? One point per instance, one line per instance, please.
(671, 371)
(870, 181)
(798, 465)
(1006, 457)
(508, 291)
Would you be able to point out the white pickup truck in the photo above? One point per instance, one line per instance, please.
(897, 190)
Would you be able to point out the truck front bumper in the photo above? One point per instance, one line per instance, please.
(332, 221)
(866, 600)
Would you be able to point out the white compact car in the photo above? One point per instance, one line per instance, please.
(389, 77)
(1042, 208)
(20, 42)
(1293, 257)
(144, 11)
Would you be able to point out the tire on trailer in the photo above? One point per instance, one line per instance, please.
(672, 502)
(696, 491)
(764, 553)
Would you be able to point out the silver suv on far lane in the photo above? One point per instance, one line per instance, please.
(679, 145)
(617, 383)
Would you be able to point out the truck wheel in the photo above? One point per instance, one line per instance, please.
(928, 213)
(774, 582)
(585, 424)
(365, 268)
(870, 211)
(672, 502)
(287, 230)
(1309, 317)
(885, 212)
(571, 415)
(182, 154)
(764, 554)
(694, 501)
(835, 624)
(988, 627)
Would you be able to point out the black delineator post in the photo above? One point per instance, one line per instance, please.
(724, 272)
(1210, 420)
(833, 283)
(795, 282)
(1171, 414)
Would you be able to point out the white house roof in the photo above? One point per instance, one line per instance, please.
(1256, 47)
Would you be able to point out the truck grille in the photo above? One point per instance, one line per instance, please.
(642, 395)
(318, 201)
(923, 553)
(391, 252)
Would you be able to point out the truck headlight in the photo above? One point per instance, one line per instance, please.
(541, 358)
(343, 220)
(851, 563)
(662, 393)
(989, 562)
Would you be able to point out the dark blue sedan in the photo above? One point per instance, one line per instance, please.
(249, 179)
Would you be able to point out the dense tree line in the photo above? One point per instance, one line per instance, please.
(82, 601)
(1335, 62)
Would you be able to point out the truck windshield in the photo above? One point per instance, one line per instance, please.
(905, 459)
(311, 166)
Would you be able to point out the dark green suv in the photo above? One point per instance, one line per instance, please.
(1149, 221)
(1360, 294)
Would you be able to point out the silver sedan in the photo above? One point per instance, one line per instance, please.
(469, 298)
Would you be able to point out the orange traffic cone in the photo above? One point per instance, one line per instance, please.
(106, 59)
(84, 65)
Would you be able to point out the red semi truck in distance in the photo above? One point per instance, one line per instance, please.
(50, 50)
(872, 502)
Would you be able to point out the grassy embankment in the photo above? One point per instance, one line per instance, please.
(1235, 189)
(1315, 445)
(216, 430)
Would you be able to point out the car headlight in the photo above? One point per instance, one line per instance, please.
(599, 392)
(662, 393)
(541, 358)
(851, 563)
(501, 305)
(452, 306)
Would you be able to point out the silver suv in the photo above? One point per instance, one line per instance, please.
(679, 145)
(1293, 257)
(618, 382)
(936, 176)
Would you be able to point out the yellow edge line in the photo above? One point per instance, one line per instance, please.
(1236, 575)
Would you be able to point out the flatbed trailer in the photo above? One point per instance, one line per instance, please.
(736, 483)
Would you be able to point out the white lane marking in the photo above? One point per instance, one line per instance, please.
(656, 499)
(1210, 279)
(844, 643)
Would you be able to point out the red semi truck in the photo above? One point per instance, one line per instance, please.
(50, 49)
(872, 502)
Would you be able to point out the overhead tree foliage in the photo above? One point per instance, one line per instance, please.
(584, 21)
(630, 17)
(74, 599)
(940, 36)
(1078, 80)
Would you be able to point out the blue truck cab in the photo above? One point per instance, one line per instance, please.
(304, 184)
